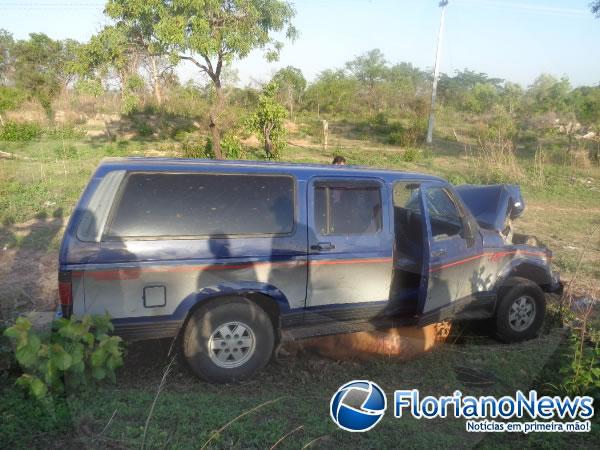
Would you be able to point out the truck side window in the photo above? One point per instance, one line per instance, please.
(443, 214)
(194, 204)
(347, 209)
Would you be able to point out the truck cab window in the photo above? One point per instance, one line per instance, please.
(444, 216)
(347, 209)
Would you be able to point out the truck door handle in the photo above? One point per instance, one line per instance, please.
(320, 246)
(439, 253)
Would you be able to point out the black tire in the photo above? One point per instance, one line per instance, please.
(206, 322)
(512, 323)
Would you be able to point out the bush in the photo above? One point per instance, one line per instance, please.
(194, 148)
(66, 132)
(20, 131)
(581, 374)
(456, 179)
(142, 127)
(78, 351)
(409, 135)
(412, 154)
(7, 357)
(232, 147)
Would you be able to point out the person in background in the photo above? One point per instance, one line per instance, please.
(339, 161)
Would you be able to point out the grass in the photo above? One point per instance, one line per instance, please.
(189, 411)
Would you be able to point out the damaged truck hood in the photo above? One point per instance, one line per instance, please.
(492, 205)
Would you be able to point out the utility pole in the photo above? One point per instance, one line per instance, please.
(436, 73)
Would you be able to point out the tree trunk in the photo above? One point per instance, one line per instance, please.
(213, 124)
(156, 82)
(268, 145)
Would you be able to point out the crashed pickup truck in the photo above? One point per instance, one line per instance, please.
(234, 257)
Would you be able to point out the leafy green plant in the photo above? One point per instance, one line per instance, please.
(194, 148)
(76, 352)
(582, 373)
(456, 179)
(232, 147)
(142, 127)
(268, 122)
(20, 131)
(412, 154)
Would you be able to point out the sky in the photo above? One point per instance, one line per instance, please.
(512, 39)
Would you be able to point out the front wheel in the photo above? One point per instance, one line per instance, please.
(520, 312)
(228, 339)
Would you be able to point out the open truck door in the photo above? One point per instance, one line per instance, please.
(453, 255)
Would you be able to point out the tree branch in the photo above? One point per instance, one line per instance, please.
(196, 62)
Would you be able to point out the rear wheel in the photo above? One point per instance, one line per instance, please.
(228, 339)
(520, 312)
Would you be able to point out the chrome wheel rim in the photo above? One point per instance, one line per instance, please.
(231, 345)
(522, 313)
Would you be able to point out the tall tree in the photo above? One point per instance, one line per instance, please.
(595, 6)
(369, 69)
(6, 58)
(291, 84)
(208, 33)
(41, 67)
(548, 94)
(111, 52)
(268, 121)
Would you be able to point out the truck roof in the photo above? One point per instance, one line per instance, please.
(170, 164)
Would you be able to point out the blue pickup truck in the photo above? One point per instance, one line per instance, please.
(232, 257)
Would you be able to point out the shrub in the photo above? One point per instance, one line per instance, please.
(66, 132)
(412, 154)
(456, 179)
(232, 147)
(409, 135)
(20, 131)
(142, 127)
(581, 374)
(194, 148)
(78, 351)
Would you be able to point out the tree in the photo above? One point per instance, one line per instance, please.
(10, 98)
(333, 90)
(268, 121)
(208, 33)
(511, 96)
(480, 98)
(291, 84)
(159, 69)
(595, 6)
(369, 69)
(6, 58)
(586, 103)
(41, 67)
(547, 94)
(110, 52)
